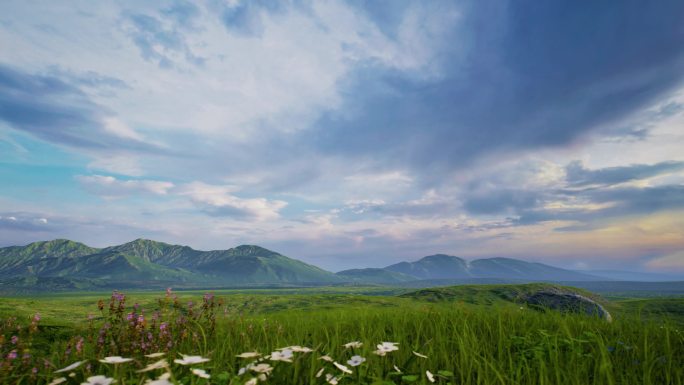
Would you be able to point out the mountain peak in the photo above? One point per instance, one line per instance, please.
(440, 258)
(247, 250)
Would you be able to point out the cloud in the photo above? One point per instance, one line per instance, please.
(219, 201)
(244, 18)
(670, 262)
(578, 176)
(110, 187)
(511, 79)
(20, 221)
(161, 39)
(55, 110)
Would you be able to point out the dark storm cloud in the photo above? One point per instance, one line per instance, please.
(577, 175)
(54, 109)
(526, 75)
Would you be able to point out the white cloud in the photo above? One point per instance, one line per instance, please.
(120, 129)
(111, 187)
(219, 201)
(118, 164)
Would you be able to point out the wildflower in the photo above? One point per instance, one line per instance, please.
(161, 364)
(248, 355)
(98, 380)
(397, 368)
(386, 347)
(353, 344)
(343, 368)
(320, 372)
(262, 368)
(420, 355)
(115, 360)
(356, 360)
(12, 355)
(251, 381)
(284, 355)
(14, 340)
(161, 380)
(58, 381)
(326, 358)
(189, 360)
(430, 376)
(331, 379)
(36, 317)
(70, 367)
(155, 355)
(201, 373)
(298, 349)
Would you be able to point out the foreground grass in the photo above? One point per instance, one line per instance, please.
(464, 343)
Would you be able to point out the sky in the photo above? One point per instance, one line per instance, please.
(349, 134)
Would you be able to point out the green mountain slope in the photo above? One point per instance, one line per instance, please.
(149, 263)
(36, 257)
(437, 266)
(442, 266)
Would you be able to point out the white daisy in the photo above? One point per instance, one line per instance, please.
(70, 367)
(98, 380)
(154, 355)
(353, 344)
(284, 355)
(248, 355)
(342, 368)
(356, 360)
(190, 360)
(262, 368)
(58, 381)
(161, 380)
(331, 379)
(115, 360)
(326, 358)
(161, 364)
(430, 376)
(298, 349)
(320, 372)
(251, 381)
(200, 373)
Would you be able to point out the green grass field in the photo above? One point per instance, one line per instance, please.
(471, 338)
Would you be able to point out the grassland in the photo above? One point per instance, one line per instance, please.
(469, 339)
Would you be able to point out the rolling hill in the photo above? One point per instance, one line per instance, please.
(145, 263)
(441, 267)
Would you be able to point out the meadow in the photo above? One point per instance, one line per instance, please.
(331, 335)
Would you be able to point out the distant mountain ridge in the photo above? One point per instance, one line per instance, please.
(67, 265)
(143, 263)
(441, 266)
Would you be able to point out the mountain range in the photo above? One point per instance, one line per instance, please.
(67, 265)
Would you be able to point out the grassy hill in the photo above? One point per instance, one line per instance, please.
(63, 264)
